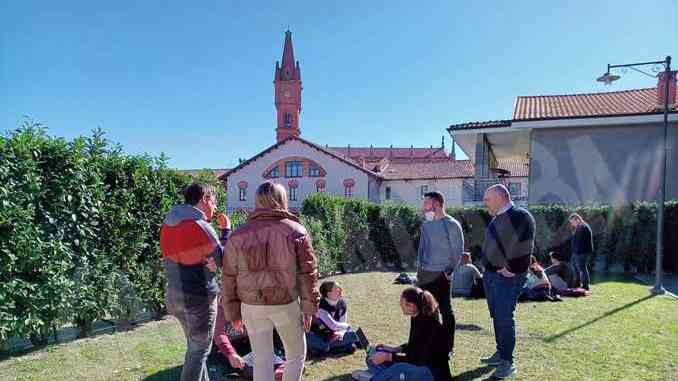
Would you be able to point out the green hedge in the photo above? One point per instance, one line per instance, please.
(355, 235)
(79, 224)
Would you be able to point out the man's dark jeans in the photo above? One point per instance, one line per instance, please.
(581, 264)
(438, 285)
(197, 316)
(502, 296)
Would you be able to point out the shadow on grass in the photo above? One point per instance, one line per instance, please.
(322, 358)
(341, 377)
(170, 374)
(473, 374)
(603, 316)
(19, 347)
(468, 327)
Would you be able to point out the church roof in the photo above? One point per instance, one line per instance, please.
(304, 141)
(372, 153)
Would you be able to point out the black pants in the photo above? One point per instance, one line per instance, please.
(439, 286)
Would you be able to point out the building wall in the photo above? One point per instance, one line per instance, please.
(409, 191)
(337, 172)
(599, 164)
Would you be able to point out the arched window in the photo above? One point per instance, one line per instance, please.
(288, 120)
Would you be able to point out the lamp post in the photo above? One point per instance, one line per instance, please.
(608, 78)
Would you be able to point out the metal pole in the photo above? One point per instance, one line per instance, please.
(658, 288)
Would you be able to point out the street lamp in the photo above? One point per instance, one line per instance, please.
(608, 78)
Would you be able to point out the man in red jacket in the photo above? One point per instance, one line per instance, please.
(192, 251)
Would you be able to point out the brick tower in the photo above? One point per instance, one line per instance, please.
(287, 92)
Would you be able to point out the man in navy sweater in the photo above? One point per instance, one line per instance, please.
(508, 245)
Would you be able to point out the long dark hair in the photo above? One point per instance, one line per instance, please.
(536, 267)
(426, 303)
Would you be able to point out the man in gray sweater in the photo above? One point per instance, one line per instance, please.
(441, 244)
(508, 245)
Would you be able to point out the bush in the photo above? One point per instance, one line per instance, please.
(361, 236)
(79, 225)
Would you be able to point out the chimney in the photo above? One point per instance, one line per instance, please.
(661, 89)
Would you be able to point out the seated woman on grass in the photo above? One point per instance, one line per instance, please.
(424, 356)
(330, 331)
(538, 286)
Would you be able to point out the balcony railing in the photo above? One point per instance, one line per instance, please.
(473, 190)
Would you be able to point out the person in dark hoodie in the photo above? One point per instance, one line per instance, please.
(192, 251)
(507, 248)
(425, 355)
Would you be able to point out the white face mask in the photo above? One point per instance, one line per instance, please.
(430, 215)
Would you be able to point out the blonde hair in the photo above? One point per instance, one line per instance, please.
(271, 196)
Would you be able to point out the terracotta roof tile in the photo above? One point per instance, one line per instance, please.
(516, 167)
(194, 172)
(627, 102)
(438, 169)
(395, 152)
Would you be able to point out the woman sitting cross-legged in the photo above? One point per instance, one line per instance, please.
(330, 331)
(424, 356)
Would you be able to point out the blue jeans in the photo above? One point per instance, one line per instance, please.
(319, 345)
(502, 296)
(393, 371)
(197, 320)
(581, 264)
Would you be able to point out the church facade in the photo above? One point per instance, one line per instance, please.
(377, 174)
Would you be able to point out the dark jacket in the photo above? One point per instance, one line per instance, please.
(269, 261)
(428, 345)
(582, 240)
(509, 241)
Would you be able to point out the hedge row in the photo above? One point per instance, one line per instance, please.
(354, 235)
(79, 223)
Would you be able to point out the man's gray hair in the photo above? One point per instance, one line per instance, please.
(501, 190)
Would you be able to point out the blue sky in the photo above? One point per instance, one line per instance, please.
(194, 79)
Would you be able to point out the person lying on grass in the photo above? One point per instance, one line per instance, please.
(233, 344)
(424, 356)
(330, 331)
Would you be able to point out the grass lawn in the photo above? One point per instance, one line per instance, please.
(618, 333)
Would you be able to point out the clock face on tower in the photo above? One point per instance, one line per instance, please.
(287, 94)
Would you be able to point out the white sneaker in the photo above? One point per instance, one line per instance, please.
(361, 375)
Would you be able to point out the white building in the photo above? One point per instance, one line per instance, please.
(372, 173)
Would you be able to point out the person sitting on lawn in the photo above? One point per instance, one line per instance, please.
(233, 344)
(537, 287)
(561, 273)
(424, 356)
(330, 331)
(467, 279)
